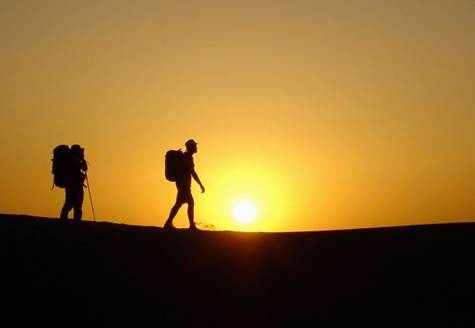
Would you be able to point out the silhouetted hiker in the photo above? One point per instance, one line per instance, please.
(69, 169)
(180, 168)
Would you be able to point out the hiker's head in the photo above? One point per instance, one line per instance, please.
(191, 146)
(77, 150)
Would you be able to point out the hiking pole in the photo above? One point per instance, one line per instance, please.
(90, 198)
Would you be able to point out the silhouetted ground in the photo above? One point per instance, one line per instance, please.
(103, 274)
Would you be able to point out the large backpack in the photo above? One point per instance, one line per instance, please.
(62, 166)
(174, 165)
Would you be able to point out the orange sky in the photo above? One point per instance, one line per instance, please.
(325, 114)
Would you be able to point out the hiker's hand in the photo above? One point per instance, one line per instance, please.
(202, 189)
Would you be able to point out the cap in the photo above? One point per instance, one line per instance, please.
(76, 147)
(190, 142)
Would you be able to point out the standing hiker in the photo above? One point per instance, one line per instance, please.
(180, 168)
(69, 169)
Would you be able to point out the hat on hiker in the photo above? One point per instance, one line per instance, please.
(76, 147)
(190, 143)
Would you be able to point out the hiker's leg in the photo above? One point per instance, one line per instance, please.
(67, 203)
(78, 200)
(191, 212)
(64, 212)
(180, 200)
(173, 213)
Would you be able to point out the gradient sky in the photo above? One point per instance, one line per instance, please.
(325, 114)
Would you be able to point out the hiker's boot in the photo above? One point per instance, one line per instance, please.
(169, 226)
(77, 215)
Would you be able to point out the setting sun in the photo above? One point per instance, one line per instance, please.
(244, 212)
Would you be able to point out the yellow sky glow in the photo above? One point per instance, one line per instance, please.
(326, 114)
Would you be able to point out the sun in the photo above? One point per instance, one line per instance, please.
(244, 212)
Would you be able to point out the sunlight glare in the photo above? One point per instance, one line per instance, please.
(244, 212)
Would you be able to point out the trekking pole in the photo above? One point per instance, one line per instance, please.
(90, 198)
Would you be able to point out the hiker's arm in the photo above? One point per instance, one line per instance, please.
(84, 165)
(197, 179)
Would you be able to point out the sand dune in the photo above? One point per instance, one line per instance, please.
(109, 274)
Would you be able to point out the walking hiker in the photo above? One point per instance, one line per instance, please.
(69, 169)
(180, 168)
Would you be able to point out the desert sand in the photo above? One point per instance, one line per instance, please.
(104, 274)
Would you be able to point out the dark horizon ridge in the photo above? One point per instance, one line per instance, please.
(34, 218)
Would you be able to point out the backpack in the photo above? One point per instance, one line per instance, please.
(174, 165)
(62, 165)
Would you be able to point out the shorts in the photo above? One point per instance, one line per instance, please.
(184, 193)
